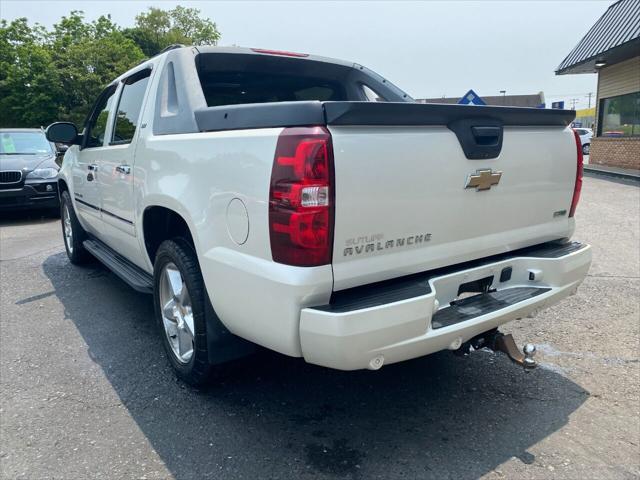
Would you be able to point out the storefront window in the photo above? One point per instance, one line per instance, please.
(620, 116)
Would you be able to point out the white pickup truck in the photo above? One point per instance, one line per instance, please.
(309, 206)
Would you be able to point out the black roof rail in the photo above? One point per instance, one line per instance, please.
(170, 47)
(165, 49)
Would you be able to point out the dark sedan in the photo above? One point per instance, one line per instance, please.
(28, 170)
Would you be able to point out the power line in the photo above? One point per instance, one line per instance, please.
(589, 96)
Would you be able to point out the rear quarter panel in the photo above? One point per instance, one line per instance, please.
(197, 175)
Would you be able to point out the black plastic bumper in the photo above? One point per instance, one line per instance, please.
(42, 194)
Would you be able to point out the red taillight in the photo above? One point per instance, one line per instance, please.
(279, 52)
(301, 197)
(578, 185)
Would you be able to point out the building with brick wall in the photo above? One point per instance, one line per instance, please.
(611, 48)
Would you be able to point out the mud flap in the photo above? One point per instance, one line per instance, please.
(223, 346)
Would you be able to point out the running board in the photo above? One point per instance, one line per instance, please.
(137, 278)
(468, 308)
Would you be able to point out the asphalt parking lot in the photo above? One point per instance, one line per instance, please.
(87, 392)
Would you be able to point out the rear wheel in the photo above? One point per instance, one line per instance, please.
(585, 148)
(72, 232)
(180, 299)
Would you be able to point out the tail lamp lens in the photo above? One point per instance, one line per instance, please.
(301, 198)
(579, 169)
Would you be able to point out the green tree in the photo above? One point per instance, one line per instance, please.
(156, 29)
(57, 75)
(90, 55)
(29, 86)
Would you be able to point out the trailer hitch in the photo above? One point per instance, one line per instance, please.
(506, 344)
(499, 342)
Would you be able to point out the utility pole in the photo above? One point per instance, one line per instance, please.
(589, 97)
(573, 103)
(504, 93)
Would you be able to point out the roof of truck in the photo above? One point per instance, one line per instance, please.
(207, 49)
(264, 51)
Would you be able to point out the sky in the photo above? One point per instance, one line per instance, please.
(427, 48)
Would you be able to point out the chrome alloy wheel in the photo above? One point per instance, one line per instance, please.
(177, 314)
(68, 229)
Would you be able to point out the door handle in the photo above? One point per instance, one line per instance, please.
(125, 169)
(93, 168)
(488, 136)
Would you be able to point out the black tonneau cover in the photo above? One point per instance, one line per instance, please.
(293, 114)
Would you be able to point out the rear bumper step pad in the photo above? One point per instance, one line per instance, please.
(468, 308)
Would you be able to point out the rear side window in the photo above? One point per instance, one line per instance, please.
(239, 79)
(129, 107)
(371, 95)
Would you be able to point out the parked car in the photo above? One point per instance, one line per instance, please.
(263, 200)
(585, 139)
(28, 170)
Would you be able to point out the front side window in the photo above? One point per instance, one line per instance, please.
(129, 107)
(24, 143)
(97, 125)
(620, 116)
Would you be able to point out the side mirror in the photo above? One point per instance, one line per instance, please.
(62, 132)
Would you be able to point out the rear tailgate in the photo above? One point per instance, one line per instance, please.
(405, 199)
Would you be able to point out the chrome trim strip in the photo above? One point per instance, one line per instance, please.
(90, 205)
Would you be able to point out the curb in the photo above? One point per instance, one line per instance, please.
(633, 177)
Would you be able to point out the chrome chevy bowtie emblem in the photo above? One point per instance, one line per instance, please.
(483, 179)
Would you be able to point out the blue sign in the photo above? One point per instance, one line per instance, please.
(558, 105)
(471, 98)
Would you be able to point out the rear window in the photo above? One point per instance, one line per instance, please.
(238, 79)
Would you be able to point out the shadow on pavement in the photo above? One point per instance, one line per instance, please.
(271, 416)
(15, 218)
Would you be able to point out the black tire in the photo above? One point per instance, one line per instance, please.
(76, 252)
(197, 371)
(585, 148)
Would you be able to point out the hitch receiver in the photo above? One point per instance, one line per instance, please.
(499, 342)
